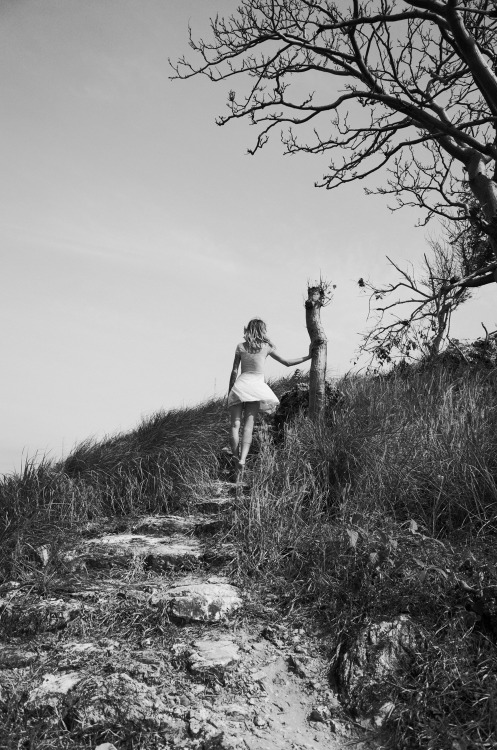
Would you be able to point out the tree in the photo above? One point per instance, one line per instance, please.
(418, 94)
(430, 301)
(413, 314)
(318, 296)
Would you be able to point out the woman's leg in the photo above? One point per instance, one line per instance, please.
(236, 418)
(251, 411)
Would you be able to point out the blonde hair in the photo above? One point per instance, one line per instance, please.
(255, 334)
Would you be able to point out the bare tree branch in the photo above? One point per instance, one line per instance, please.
(406, 88)
(462, 262)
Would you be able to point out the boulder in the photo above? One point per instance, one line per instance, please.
(296, 399)
(380, 652)
(202, 601)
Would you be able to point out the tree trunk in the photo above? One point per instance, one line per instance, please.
(317, 378)
(442, 318)
(485, 191)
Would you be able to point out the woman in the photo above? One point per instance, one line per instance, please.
(249, 389)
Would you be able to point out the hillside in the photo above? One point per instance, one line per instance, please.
(368, 538)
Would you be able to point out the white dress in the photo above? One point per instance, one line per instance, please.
(250, 384)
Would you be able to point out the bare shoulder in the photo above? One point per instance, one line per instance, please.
(274, 354)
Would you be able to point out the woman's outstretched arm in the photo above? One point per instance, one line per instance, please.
(234, 371)
(291, 362)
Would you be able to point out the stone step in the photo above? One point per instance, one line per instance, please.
(28, 614)
(115, 701)
(201, 601)
(209, 656)
(164, 525)
(193, 598)
(193, 524)
(156, 552)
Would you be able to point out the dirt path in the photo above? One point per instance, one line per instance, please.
(143, 642)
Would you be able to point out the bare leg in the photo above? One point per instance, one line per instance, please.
(236, 418)
(251, 411)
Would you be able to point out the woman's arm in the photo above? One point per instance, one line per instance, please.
(234, 371)
(291, 362)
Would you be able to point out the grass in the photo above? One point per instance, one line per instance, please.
(155, 468)
(386, 506)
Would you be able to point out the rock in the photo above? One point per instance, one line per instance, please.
(179, 712)
(339, 727)
(50, 696)
(296, 399)
(272, 634)
(332, 700)
(163, 525)
(148, 656)
(106, 746)
(77, 647)
(211, 656)
(236, 712)
(75, 654)
(199, 714)
(155, 552)
(14, 657)
(43, 554)
(195, 728)
(258, 646)
(299, 667)
(121, 702)
(175, 525)
(384, 713)
(380, 651)
(320, 713)
(220, 741)
(34, 615)
(202, 602)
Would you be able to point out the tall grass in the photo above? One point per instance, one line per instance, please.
(420, 448)
(368, 513)
(154, 468)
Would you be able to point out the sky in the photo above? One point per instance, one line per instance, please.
(137, 237)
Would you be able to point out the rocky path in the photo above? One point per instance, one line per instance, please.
(142, 641)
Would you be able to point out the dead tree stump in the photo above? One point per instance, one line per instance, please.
(316, 298)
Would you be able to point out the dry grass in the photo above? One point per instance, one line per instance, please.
(155, 468)
(375, 512)
(387, 506)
